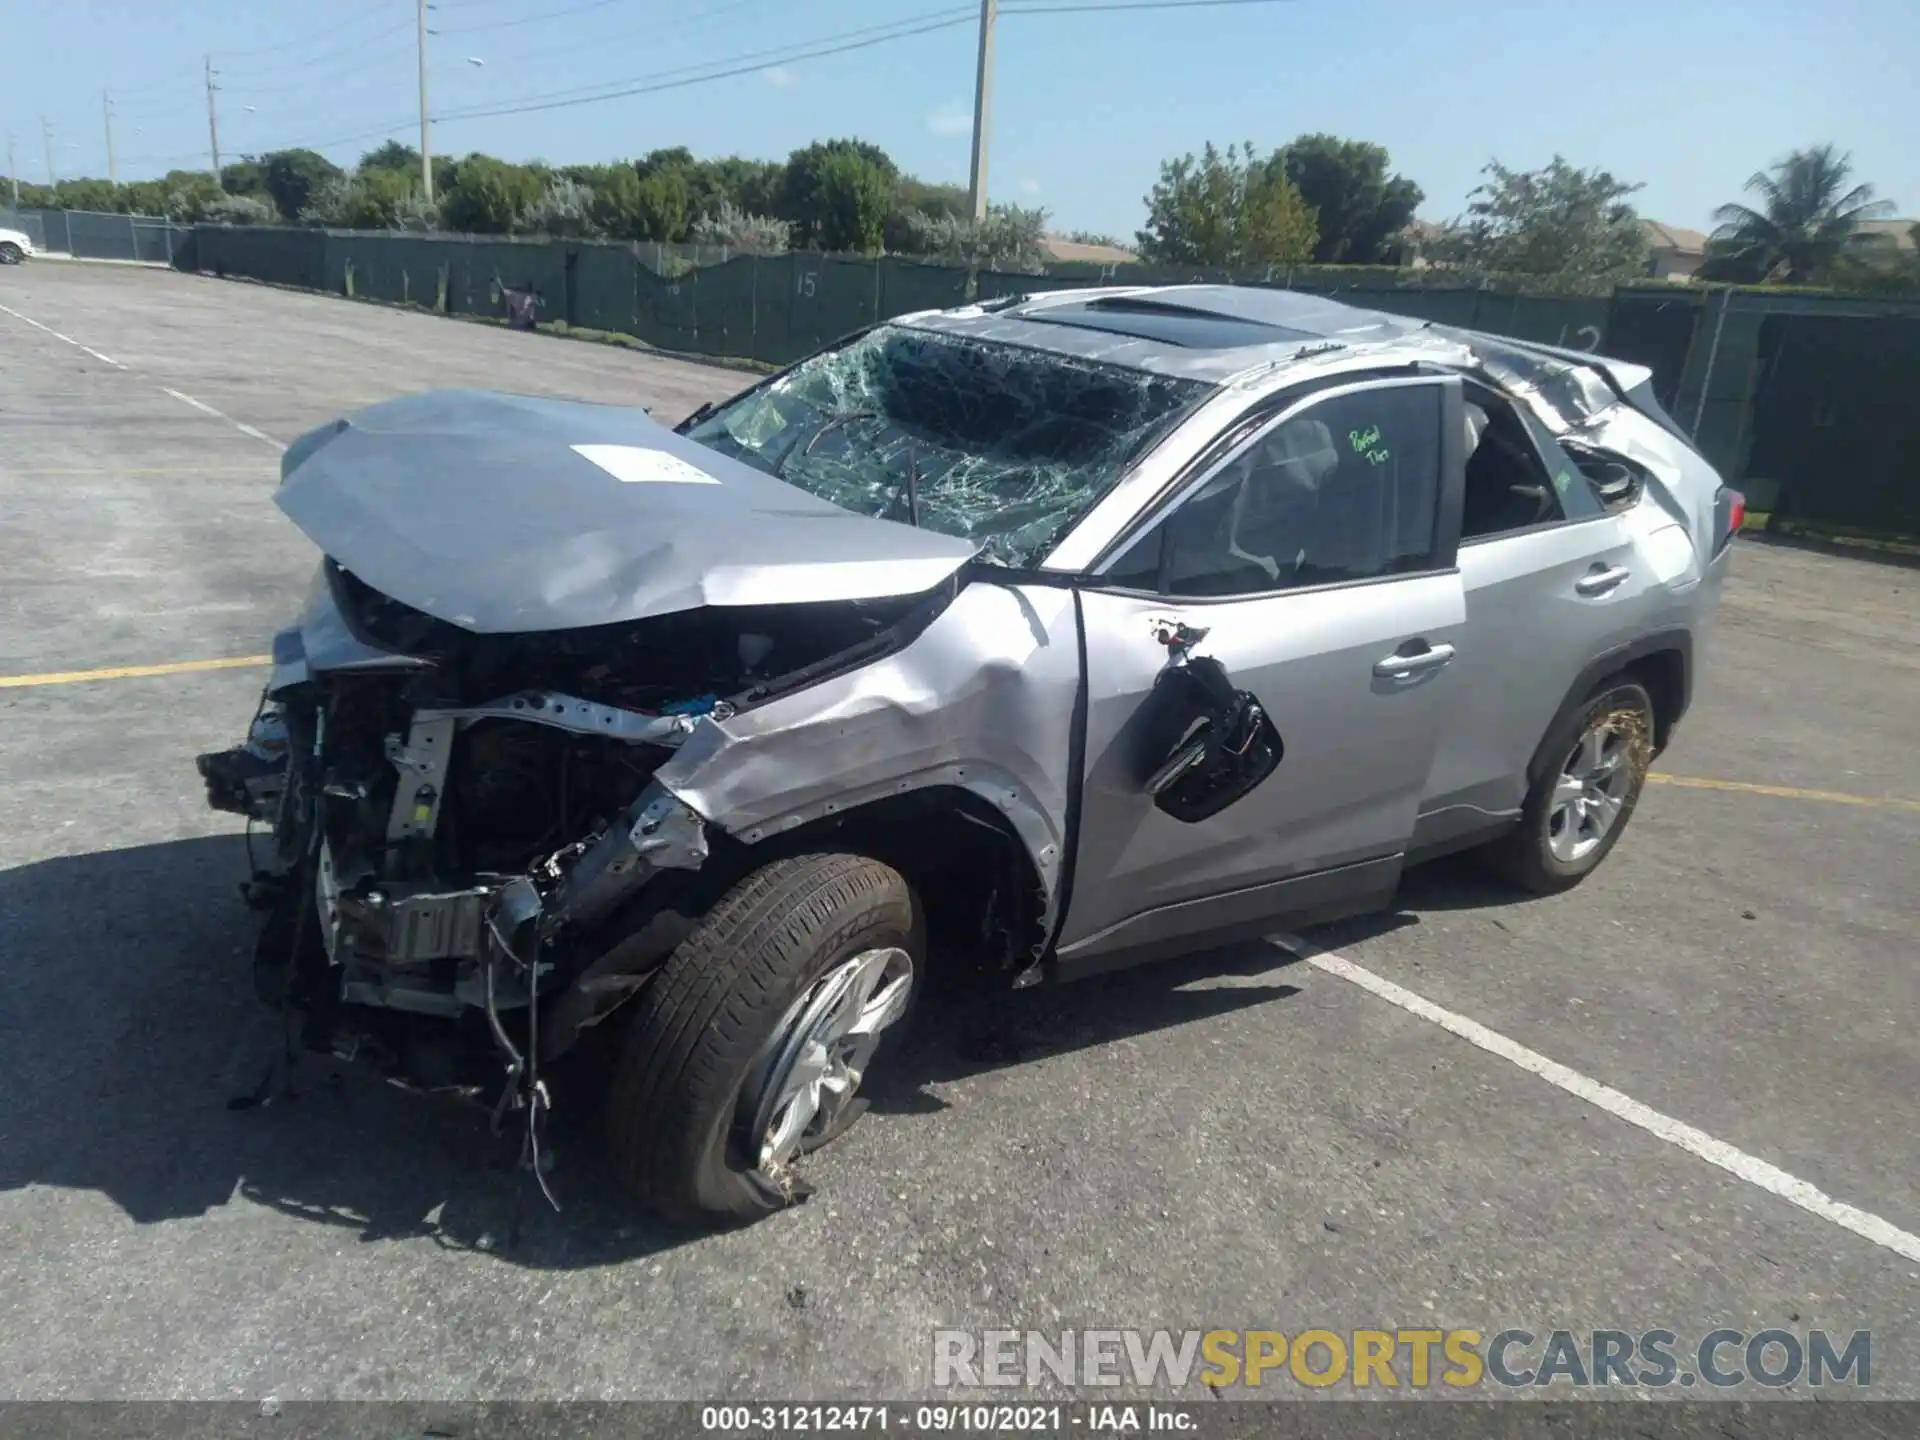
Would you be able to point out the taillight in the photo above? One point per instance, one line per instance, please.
(1729, 514)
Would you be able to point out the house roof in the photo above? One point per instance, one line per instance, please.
(1673, 237)
(1062, 248)
(1900, 232)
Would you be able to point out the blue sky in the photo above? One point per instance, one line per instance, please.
(1687, 96)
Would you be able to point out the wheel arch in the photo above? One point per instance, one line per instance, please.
(988, 893)
(1661, 662)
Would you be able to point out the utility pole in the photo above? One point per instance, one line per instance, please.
(982, 113)
(426, 148)
(213, 122)
(46, 138)
(106, 112)
(13, 171)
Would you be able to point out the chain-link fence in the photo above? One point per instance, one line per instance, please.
(95, 235)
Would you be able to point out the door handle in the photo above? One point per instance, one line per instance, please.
(1599, 582)
(1398, 666)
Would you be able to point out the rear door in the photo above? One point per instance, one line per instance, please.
(1317, 557)
(1552, 581)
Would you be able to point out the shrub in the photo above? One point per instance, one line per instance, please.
(564, 208)
(1010, 238)
(738, 230)
(236, 210)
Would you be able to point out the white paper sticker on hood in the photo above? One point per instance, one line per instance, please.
(637, 465)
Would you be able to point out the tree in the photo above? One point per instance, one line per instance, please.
(629, 207)
(749, 185)
(245, 176)
(1359, 206)
(87, 195)
(1571, 227)
(852, 195)
(193, 195)
(1808, 218)
(915, 204)
(665, 206)
(488, 195)
(375, 199)
(677, 157)
(291, 177)
(1227, 209)
(392, 156)
(804, 201)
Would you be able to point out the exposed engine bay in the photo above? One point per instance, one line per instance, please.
(451, 830)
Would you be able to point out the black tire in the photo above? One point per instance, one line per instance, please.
(1524, 855)
(10, 253)
(701, 1023)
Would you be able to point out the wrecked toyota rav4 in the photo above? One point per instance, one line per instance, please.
(1036, 637)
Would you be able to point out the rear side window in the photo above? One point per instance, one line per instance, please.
(1346, 489)
(1518, 475)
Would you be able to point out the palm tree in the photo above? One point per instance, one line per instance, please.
(1807, 217)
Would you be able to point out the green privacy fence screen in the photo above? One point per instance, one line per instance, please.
(1806, 399)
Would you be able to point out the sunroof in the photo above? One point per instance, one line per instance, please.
(1178, 325)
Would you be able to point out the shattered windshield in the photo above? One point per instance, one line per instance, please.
(994, 443)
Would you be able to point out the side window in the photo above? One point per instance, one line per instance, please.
(1346, 489)
(1517, 474)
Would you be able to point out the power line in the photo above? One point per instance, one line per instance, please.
(652, 31)
(765, 59)
(357, 49)
(388, 61)
(397, 127)
(746, 63)
(354, 19)
(923, 24)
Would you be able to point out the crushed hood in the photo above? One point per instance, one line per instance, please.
(507, 513)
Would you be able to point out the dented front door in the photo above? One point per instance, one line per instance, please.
(1351, 665)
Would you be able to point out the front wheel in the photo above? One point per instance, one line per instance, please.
(750, 1046)
(1575, 812)
(10, 253)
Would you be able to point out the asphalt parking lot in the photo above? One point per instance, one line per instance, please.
(1247, 1140)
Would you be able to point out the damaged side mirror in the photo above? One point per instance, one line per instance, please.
(1204, 743)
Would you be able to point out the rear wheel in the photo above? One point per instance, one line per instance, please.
(1577, 809)
(10, 253)
(750, 1047)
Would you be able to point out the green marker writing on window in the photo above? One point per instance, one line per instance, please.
(1367, 442)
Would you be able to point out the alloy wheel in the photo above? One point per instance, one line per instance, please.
(807, 1074)
(1593, 788)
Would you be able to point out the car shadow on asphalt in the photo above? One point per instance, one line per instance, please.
(128, 1025)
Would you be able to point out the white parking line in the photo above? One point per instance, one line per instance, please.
(200, 405)
(206, 409)
(37, 325)
(1750, 1168)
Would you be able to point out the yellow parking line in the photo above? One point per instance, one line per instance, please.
(133, 672)
(1785, 792)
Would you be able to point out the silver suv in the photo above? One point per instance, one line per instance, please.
(661, 768)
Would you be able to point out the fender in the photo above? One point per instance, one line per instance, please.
(1603, 667)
